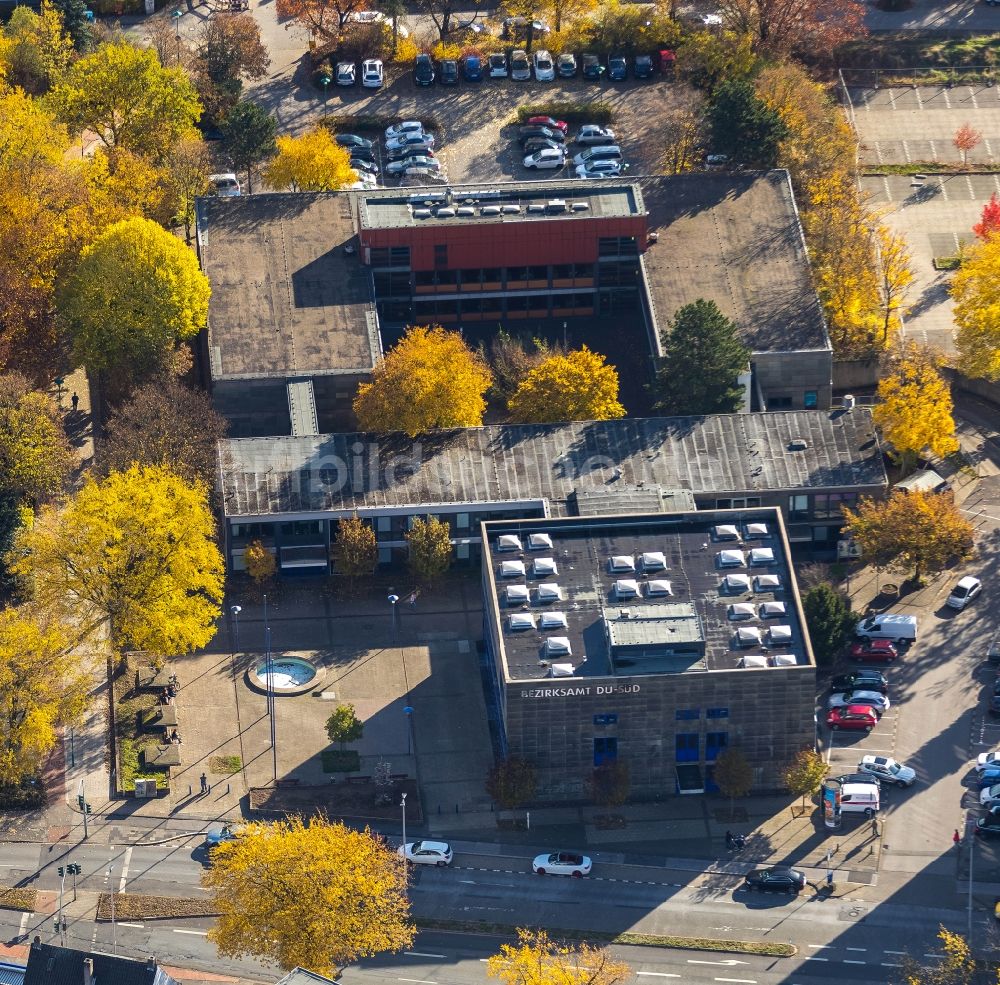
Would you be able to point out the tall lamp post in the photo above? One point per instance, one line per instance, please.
(114, 929)
(177, 32)
(269, 663)
(235, 610)
(393, 601)
(324, 81)
(402, 804)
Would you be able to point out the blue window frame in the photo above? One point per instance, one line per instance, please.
(717, 713)
(606, 719)
(715, 742)
(811, 400)
(687, 714)
(605, 750)
(686, 747)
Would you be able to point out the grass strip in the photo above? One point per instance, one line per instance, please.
(133, 906)
(18, 899)
(772, 949)
(225, 764)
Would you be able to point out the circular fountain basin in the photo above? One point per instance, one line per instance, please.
(286, 675)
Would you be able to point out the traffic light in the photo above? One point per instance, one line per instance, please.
(74, 869)
(86, 808)
(62, 871)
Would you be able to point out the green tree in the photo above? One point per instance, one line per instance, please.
(230, 50)
(248, 136)
(344, 726)
(703, 356)
(355, 551)
(733, 774)
(512, 782)
(75, 23)
(137, 291)
(317, 896)
(188, 166)
(609, 784)
(577, 386)
(134, 552)
(743, 127)
(829, 620)
(430, 549)
(805, 773)
(128, 99)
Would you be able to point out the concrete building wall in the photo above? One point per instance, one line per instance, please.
(793, 375)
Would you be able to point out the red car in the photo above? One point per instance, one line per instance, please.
(547, 121)
(860, 717)
(876, 651)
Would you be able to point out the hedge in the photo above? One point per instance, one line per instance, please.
(597, 112)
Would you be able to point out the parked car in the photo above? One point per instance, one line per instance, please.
(411, 152)
(548, 121)
(407, 126)
(617, 68)
(988, 778)
(346, 73)
(407, 141)
(561, 864)
(226, 185)
(887, 626)
(547, 157)
(880, 702)
(964, 592)
(593, 135)
(520, 67)
(857, 778)
(426, 852)
(361, 165)
(988, 826)
(403, 165)
(988, 761)
(778, 878)
(545, 68)
(642, 67)
(472, 68)
(869, 680)
(887, 769)
(498, 65)
(423, 70)
(448, 72)
(875, 651)
(861, 798)
(535, 130)
(372, 73)
(376, 17)
(566, 65)
(540, 143)
(592, 67)
(603, 152)
(353, 142)
(600, 169)
(990, 796)
(228, 832)
(856, 717)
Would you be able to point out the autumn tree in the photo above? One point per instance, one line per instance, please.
(914, 408)
(317, 896)
(43, 686)
(136, 552)
(681, 137)
(609, 784)
(36, 49)
(829, 620)
(35, 454)
(15, 515)
(428, 379)
(188, 165)
(795, 26)
(570, 10)
(260, 563)
(536, 959)
(975, 289)
(123, 95)
(126, 185)
(614, 25)
(512, 782)
(73, 14)
(989, 221)
(706, 58)
(248, 137)
(743, 127)
(804, 775)
(966, 138)
(313, 162)
(324, 19)
(922, 532)
(511, 358)
(733, 775)
(441, 13)
(430, 549)
(703, 356)
(344, 726)
(355, 551)
(137, 291)
(229, 51)
(577, 386)
(952, 965)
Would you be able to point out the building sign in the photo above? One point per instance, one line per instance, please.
(579, 691)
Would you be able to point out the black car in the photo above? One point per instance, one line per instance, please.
(860, 680)
(778, 878)
(592, 67)
(472, 68)
(857, 778)
(362, 164)
(989, 824)
(423, 70)
(642, 67)
(448, 72)
(407, 152)
(617, 68)
(540, 143)
(353, 142)
(537, 130)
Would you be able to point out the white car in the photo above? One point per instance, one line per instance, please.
(372, 73)
(545, 68)
(407, 126)
(406, 141)
(988, 761)
(561, 864)
(376, 17)
(414, 165)
(880, 702)
(592, 135)
(547, 157)
(346, 73)
(497, 65)
(599, 169)
(990, 797)
(226, 185)
(520, 67)
(887, 770)
(426, 852)
(964, 592)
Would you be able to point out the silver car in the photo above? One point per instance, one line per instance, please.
(520, 67)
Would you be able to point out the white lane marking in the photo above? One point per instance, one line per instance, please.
(855, 948)
(138, 926)
(657, 974)
(851, 961)
(743, 981)
(125, 865)
(887, 964)
(894, 952)
(419, 981)
(195, 933)
(424, 954)
(938, 956)
(23, 927)
(812, 957)
(818, 946)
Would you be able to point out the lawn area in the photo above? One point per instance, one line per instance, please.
(904, 50)
(131, 740)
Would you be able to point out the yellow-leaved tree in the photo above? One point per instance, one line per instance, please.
(37, 50)
(317, 896)
(429, 379)
(429, 542)
(43, 686)
(952, 965)
(577, 386)
(136, 292)
(536, 959)
(313, 162)
(914, 412)
(136, 552)
(976, 291)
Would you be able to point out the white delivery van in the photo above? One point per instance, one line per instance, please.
(888, 626)
(860, 798)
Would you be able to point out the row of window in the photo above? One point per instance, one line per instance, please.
(687, 746)
(423, 307)
(784, 401)
(399, 256)
(825, 506)
(693, 714)
(501, 275)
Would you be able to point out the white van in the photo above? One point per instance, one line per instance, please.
(888, 626)
(860, 798)
(608, 152)
(226, 185)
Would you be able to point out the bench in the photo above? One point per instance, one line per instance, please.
(162, 716)
(359, 779)
(290, 782)
(168, 755)
(399, 776)
(150, 678)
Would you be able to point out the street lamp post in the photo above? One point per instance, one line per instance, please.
(177, 32)
(402, 804)
(408, 711)
(324, 81)
(114, 929)
(393, 600)
(235, 638)
(269, 662)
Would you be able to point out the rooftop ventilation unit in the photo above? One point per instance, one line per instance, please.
(539, 542)
(580, 206)
(558, 646)
(658, 586)
(490, 210)
(426, 196)
(798, 444)
(522, 620)
(556, 205)
(510, 209)
(622, 562)
(553, 620)
(535, 208)
(421, 213)
(517, 594)
(544, 567)
(465, 210)
(508, 542)
(737, 583)
(446, 213)
(848, 401)
(652, 561)
(511, 569)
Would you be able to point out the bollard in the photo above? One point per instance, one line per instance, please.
(227, 789)
(190, 791)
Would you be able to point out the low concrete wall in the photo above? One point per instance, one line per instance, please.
(860, 374)
(983, 389)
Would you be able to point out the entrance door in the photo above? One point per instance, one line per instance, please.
(605, 750)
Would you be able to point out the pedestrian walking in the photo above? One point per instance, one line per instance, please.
(413, 599)
(75, 400)
(875, 826)
(956, 838)
(204, 783)
(729, 840)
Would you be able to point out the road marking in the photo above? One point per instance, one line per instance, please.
(424, 954)
(657, 974)
(744, 981)
(818, 946)
(195, 933)
(23, 927)
(138, 926)
(419, 981)
(887, 964)
(855, 948)
(938, 956)
(851, 961)
(894, 952)
(125, 864)
(812, 957)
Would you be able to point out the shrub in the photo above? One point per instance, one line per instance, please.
(406, 51)
(596, 112)
(25, 795)
(360, 122)
(129, 769)
(443, 50)
(340, 761)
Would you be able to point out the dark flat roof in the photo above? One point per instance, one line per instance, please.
(734, 239)
(582, 549)
(286, 299)
(730, 453)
